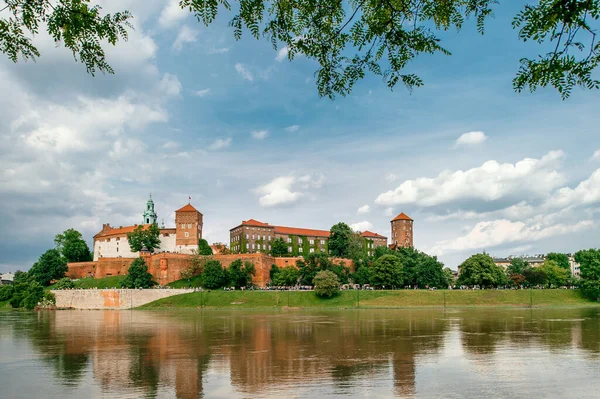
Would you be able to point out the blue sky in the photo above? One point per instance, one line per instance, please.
(240, 129)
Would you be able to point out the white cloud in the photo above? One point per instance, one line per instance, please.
(586, 192)
(292, 129)
(220, 50)
(471, 138)
(170, 85)
(490, 182)
(310, 181)
(596, 155)
(185, 35)
(219, 144)
(388, 212)
(391, 177)
(171, 15)
(201, 93)
(243, 72)
(497, 232)
(282, 53)
(278, 192)
(260, 134)
(170, 145)
(363, 209)
(362, 226)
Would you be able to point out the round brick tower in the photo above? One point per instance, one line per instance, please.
(402, 231)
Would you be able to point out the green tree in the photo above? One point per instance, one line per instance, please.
(339, 239)
(589, 268)
(430, 272)
(20, 277)
(29, 294)
(534, 276)
(72, 246)
(279, 247)
(240, 275)
(362, 275)
(481, 270)
(562, 260)
(204, 248)
(195, 268)
(326, 284)
(386, 272)
(286, 277)
(448, 277)
(273, 272)
(348, 39)
(383, 250)
(50, 266)
(6, 292)
(65, 283)
(143, 236)
(138, 276)
(213, 276)
(556, 276)
(312, 264)
(514, 272)
(356, 250)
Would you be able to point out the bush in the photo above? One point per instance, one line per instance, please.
(138, 276)
(286, 276)
(6, 292)
(213, 276)
(65, 283)
(28, 295)
(326, 284)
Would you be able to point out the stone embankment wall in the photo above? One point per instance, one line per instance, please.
(111, 298)
(167, 267)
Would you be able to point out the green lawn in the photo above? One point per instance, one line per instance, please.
(90, 282)
(194, 282)
(374, 299)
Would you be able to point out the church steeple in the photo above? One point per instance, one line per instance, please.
(149, 214)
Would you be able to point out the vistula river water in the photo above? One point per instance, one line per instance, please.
(417, 353)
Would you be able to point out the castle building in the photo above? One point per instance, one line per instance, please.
(111, 242)
(254, 236)
(402, 231)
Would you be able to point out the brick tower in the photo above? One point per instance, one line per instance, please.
(402, 231)
(188, 227)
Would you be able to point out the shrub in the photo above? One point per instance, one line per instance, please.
(326, 284)
(286, 276)
(6, 292)
(65, 283)
(213, 276)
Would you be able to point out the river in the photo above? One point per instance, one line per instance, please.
(417, 353)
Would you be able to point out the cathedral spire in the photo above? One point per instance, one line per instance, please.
(149, 216)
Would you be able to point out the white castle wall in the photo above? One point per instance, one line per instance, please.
(118, 247)
(111, 298)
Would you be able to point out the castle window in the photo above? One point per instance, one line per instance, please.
(322, 242)
(253, 236)
(269, 247)
(289, 249)
(252, 246)
(187, 234)
(189, 225)
(289, 240)
(117, 249)
(312, 242)
(246, 245)
(247, 236)
(183, 225)
(312, 250)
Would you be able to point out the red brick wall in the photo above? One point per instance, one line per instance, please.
(167, 267)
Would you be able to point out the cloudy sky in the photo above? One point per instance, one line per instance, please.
(240, 129)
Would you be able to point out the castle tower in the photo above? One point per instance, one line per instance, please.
(149, 214)
(188, 227)
(402, 231)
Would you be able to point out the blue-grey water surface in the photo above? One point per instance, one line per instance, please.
(420, 353)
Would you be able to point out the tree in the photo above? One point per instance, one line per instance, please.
(326, 284)
(195, 268)
(50, 266)
(72, 246)
(213, 275)
(312, 264)
(562, 260)
(534, 276)
(362, 275)
(386, 272)
(429, 272)
(138, 276)
(514, 272)
(286, 277)
(143, 236)
(6, 292)
(20, 277)
(329, 32)
(279, 247)
(589, 267)
(448, 277)
(240, 275)
(356, 249)
(28, 295)
(556, 276)
(339, 239)
(204, 248)
(65, 283)
(480, 270)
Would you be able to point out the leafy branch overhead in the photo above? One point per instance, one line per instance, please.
(348, 39)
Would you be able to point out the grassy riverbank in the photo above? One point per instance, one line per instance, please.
(374, 299)
(90, 282)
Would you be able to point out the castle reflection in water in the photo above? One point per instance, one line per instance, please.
(263, 353)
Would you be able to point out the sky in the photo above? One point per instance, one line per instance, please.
(236, 126)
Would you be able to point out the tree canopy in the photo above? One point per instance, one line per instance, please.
(347, 39)
(326, 284)
(50, 266)
(138, 275)
(589, 267)
(240, 274)
(556, 276)
(279, 247)
(562, 260)
(480, 270)
(386, 272)
(204, 248)
(144, 237)
(72, 246)
(213, 275)
(339, 239)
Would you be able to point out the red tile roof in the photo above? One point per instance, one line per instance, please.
(372, 235)
(301, 232)
(187, 208)
(253, 222)
(402, 216)
(114, 231)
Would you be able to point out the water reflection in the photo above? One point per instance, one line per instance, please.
(235, 354)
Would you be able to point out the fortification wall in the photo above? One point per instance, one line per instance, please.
(167, 267)
(111, 299)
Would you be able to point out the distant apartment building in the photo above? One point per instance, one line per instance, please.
(537, 260)
(254, 236)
